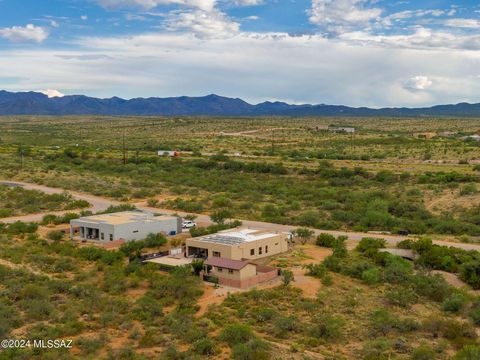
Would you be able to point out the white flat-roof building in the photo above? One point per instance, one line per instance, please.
(238, 244)
(125, 225)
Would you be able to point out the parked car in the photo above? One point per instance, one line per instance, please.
(188, 224)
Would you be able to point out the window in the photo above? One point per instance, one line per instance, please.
(102, 236)
(252, 252)
(135, 231)
(260, 250)
(266, 249)
(276, 244)
(111, 237)
(216, 254)
(230, 271)
(219, 269)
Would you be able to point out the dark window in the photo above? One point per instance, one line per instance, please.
(111, 237)
(252, 251)
(260, 250)
(135, 231)
(219, 269)
(266, 249)
(102, 236)
(216, 254)
(230, 271)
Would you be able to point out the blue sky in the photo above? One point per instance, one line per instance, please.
(355, 52)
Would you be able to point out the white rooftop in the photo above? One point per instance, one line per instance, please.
(237, 236)
(123, 217)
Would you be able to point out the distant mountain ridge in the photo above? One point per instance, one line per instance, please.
(34, 103)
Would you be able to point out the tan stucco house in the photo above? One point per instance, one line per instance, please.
(237, 273)
(238, 244)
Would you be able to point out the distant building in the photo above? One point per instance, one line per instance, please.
(342, 129)
(472, 137)
(126, 225)
(168, 153)
(448, 133)
(238, 244)
(237, 273)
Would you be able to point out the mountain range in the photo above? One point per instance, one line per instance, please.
(35, 103)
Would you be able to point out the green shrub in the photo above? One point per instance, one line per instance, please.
(403, 296)
(469, 352)
(55, 235)
(468, 189)
(369, 246)
(433, 287)
(397, 270)
(254, 349)
(316, 270)
(455, 302)
(326, 240)
(264, 314)
(474, 312)
(235, 334)
(378, 349)
(470, 273)
(204, 347)
(327, 327)
(384, 322)
(284, 324)
(372, 276)
(287, 277)
(423, 352)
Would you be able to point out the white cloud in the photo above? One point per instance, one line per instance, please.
(52, 93)
(419, 38)
(338, 15)
(206, 5)
(464, 23)
(24, 34)
(418, 83)
(84, 17)
(252, 66)
(54, 23)
(202, 23)
(246, 2)
(395, 18)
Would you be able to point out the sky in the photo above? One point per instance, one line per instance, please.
(376, 53)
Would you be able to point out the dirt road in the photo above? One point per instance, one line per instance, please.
(99, 204)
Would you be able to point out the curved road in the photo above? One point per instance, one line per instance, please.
(100, 204)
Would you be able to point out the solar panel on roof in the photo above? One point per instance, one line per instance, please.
(222, 239)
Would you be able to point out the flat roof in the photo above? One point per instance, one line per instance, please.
(236, 237)
(123, 217)
(170, 261)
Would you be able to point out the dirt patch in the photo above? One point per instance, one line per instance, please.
(452, 279)
(308, 284)
(314, 253)
(211, 296)
(44, 230)
(437, 203)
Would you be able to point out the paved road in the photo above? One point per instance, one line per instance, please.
(99, 204)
